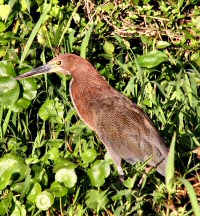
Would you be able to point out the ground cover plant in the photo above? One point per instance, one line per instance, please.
(53, 164)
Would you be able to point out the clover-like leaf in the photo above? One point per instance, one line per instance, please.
(9, 89)
(44, 200)
(57, 189)
(100, 170)
(11, 166)
(89, 155)
(53, 111)
(66, 176)
(35, 190)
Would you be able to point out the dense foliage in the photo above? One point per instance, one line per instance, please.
(50, 162)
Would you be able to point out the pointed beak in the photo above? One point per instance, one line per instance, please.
(47, 68)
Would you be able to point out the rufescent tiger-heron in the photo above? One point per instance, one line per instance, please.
(121, 125)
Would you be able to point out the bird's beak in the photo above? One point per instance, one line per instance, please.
(47, 68)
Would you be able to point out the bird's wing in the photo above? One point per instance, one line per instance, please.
(124, 127)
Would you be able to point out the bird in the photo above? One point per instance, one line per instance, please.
(121, 125)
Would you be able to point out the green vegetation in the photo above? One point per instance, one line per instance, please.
(53, 164)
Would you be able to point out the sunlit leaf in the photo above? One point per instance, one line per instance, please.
(89, 155)
(11, 165)
(52, 110)
(97, 200)
(152, 59)
(44, 200)
(57, 189)
(35, 190)
(99, 171)
(66, 176)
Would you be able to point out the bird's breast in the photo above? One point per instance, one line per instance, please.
(87, 98)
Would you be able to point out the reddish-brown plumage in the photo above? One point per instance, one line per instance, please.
(121, 125)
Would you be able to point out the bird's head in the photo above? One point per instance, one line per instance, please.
(66, 64)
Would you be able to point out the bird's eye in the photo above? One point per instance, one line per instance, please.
(59, 62)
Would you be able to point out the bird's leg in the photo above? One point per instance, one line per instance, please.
(117, 160)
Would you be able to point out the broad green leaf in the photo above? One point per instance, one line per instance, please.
(100, 170)
(30, 89)
(152, 59)
(63, 163)
(57, 189)
(66, 176)
(9, 91)
(44, 200)
(6, 69)
(21, 104)
(89, 155)
(35, 190)
(129, 182)
(52, 154)
(108, 7)
(4, 11)
(53, 111)
(11, 165)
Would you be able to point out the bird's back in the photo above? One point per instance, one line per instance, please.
(124, 127)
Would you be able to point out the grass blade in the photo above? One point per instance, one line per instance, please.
(85, 42)
(192, 195)
(34, 32)
(170, 164)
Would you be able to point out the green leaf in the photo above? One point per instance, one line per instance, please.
(21, 104)
(152, 59)
(4, 11)
(63, 163)
(6, 69)
(97, 200)
(44, 200)
(9, 90)
(108, 47)
(100, 170)
(85, 41)
(5, 203)
(53, 111)
(19, 209)
(2, 27)
(162, 44)
(129, 182)
(57, 189)
(10, 166)
(66, 176)
(35, 190)
(89, 155)
(30, 89)
(121, 193)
